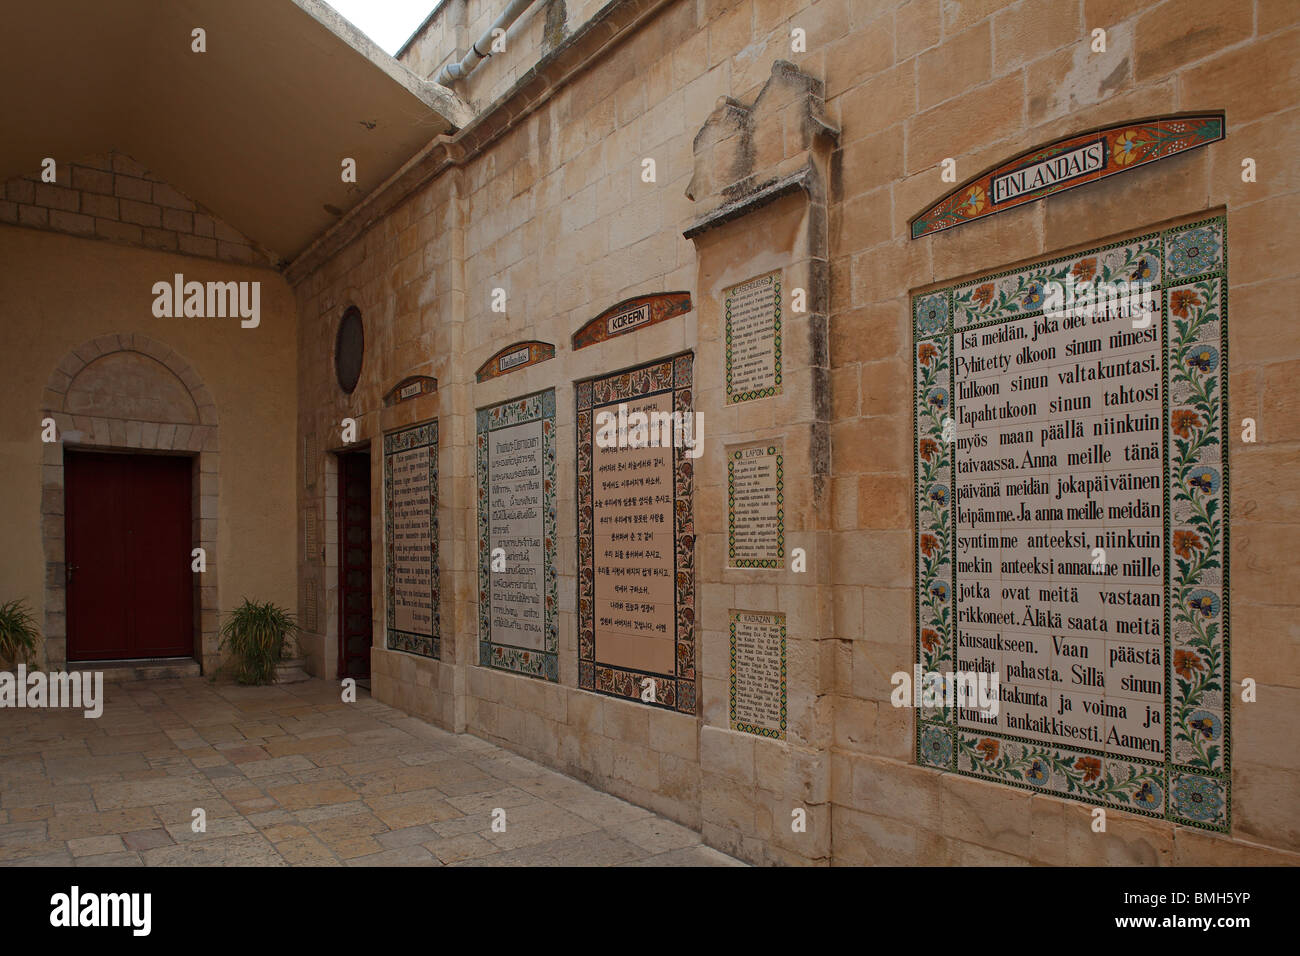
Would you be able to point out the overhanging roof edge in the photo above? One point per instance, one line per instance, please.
(438, 98)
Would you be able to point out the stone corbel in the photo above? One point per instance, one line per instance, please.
(749, 156)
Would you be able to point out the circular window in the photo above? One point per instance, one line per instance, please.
(349, 347)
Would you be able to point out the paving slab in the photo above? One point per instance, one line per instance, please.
(290, 776)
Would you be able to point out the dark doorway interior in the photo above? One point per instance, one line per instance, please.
(128, 538)
(355, 634)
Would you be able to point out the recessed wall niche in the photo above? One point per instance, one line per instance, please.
(349, 349)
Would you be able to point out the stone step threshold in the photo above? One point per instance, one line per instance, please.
(154, 668)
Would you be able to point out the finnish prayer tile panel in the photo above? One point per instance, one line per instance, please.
(1071, 506)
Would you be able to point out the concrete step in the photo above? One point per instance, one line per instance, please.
(162, 668)
(291, 672)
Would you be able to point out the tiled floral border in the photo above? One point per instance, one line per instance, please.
(1020, 292)
(1192, 786)
(418, 436)
(735, 397)
(676, 691)
(779, 560)
(544, 663)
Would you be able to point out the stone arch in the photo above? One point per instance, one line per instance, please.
(128, 392)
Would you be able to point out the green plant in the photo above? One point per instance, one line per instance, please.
(18, 632)
(259, 635)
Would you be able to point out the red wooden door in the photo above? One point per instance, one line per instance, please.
(127, 549)
(355, 632)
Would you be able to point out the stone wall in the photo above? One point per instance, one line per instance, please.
(114, 198)
(86, 350)
(981, 83)
(447, 34)
(553, 209)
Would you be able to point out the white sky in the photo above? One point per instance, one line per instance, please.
(389, 23)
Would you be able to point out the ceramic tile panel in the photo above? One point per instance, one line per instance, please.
(517, 593)
(1071, 507)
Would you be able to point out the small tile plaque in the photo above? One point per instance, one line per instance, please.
(309, 606)
(413, 386)
(758, 674)
(752, 313)
(310, 459)
(630, 315)
(756, 506)
(310, 540)
(512, 358)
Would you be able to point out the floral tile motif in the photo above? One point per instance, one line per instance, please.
(1025, 291)
(520, 660)
(1096, 778)
(1199, 799)
(675, 691)
(934, 746)
(930, 314)
(1190, 782)
(1194, 251)
(419, 436)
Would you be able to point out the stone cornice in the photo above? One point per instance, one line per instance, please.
(802, 179)
(584, 47)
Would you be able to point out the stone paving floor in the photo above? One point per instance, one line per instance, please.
(289, 775)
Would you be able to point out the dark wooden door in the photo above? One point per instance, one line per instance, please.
(355, 634)
(127, 550)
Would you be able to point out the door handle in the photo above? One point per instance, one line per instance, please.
(70, 569)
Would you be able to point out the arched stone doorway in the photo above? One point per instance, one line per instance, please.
(130, 393)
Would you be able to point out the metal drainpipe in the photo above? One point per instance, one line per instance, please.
(458, 71)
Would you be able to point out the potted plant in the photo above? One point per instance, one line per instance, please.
(261, 636)
(18, 633)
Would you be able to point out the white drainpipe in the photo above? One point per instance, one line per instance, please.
(458, 71)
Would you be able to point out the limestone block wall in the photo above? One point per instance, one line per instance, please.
(446, 35)
(981, 82)
(400, 275)
(85, 349)
(558, 216)
(553, 210)
(114, 198)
